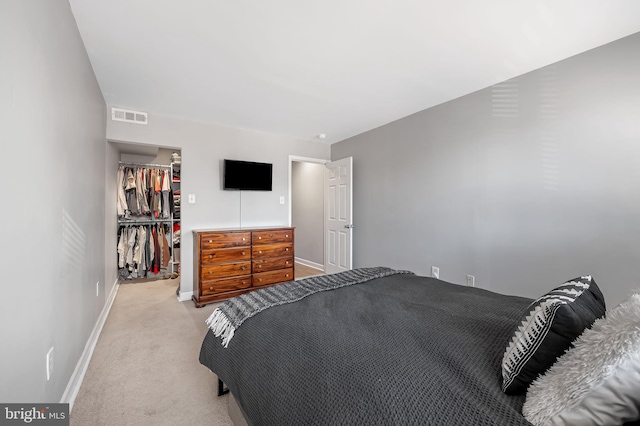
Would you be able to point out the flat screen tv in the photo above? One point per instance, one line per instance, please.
(247, 175)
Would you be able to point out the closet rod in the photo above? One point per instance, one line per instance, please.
(158, 166)
(147, 221)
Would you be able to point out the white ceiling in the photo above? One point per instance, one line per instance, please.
(340, 67)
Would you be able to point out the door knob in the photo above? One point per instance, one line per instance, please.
(349, 226)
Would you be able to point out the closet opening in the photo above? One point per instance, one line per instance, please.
(148, 201)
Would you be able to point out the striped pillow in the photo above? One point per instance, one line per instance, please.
(547, 330)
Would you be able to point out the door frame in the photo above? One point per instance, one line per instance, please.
(324, 161)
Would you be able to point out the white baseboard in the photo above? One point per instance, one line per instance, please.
(310, 264)
(185, 295)
(70, 393)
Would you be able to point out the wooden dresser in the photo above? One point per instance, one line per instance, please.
(230, 262)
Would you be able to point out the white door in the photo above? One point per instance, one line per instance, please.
(338, 216)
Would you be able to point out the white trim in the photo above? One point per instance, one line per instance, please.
(308, 159)
(310, 264)
(75, 381)
(185, 295)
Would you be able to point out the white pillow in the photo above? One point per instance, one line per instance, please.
(597, 381)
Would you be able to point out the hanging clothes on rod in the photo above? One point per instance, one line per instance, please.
(142, 249)
(144, 191)
(166, 189)
(145, 210)
(155, 263)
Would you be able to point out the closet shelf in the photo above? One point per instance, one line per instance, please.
(143, 221)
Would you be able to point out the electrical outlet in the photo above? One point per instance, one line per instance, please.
(281, 199)
(435, 272)
(49, 363)
(471, 281)
(98, 289)
(192, 198)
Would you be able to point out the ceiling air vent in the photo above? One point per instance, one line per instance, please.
(128, 116)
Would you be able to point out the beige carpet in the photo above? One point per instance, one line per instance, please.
(145, 369)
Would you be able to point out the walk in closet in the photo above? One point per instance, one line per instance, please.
(148, 208)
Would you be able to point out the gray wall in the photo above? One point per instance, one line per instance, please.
(204, 147)
(524, 184)
(307, 210)
(52, 128)
(111, 217)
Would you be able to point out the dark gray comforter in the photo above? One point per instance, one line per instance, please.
(399, 350)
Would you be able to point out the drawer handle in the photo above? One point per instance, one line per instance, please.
(259, 266)
(287, 249)
(243, 268)
(210, 241)
(259, 251)
(270, 235)
(242, 253)
(286, 263)
(259, 238)
(286, 236)
(244, 239)
(210, 256)
(260, 279)
(286, 275)
(211, 288)
(209, 272)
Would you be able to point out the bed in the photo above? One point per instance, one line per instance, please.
(400, 349)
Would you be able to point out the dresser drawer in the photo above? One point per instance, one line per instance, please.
(225, 255)
(272, 277)
(271, 250)
(224, 270)
(215, 240)
(269, 237)
(226, 284)
(271, 264)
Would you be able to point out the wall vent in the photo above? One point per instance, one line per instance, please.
(138, 117)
